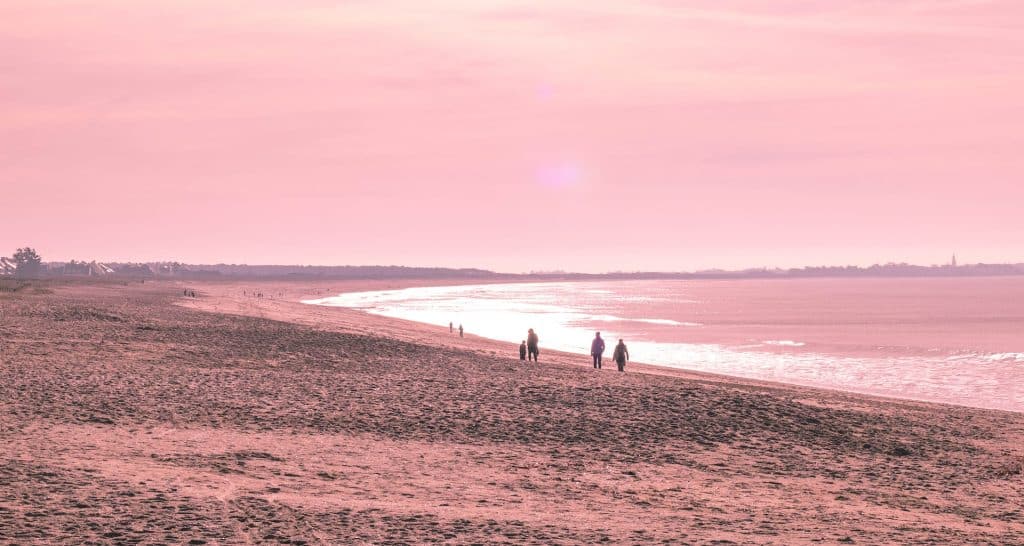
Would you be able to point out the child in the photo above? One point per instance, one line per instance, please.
(522, 350)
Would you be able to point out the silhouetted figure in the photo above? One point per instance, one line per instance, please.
(620, 355)
(460, 331)
(185, 292)
(596, 350)
(522, 350)
(451, 328)
(531, 345)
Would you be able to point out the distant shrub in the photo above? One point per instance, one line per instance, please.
(12, 285)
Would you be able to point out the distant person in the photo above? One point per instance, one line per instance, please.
(460, 331)
(620, 355)
(531, 345)
(451, 328)
(596, 350)
(522, 350)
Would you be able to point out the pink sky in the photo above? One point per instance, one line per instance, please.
(581, 135)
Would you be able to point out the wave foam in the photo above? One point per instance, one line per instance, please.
(666, 322)
(784, 343)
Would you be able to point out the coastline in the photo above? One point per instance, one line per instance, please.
(283, 301)
(134, 414)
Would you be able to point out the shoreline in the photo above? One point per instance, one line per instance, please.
(346, 319)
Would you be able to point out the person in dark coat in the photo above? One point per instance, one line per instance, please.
(620, 355)
(531, 345)
(597, 350)
(460, 331)
(522, 350)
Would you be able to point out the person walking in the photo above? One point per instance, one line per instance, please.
(451, 328)
(460, 331)
(522, 350)
(531, 345)
(620, 355)
(596, 350)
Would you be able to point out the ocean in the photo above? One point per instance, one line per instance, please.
(952, 340)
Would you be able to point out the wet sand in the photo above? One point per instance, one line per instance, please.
(131, 414)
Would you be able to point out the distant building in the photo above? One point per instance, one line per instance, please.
(76, 268)
(7, 266)
(953, 262)
(99, 270)
(135, 270)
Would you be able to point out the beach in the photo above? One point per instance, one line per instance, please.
(131, 413)
(945, 340)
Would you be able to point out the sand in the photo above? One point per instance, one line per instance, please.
(130, 414)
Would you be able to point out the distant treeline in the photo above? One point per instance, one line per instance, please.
(345, 271)
(283, 272)
(887, 270)
(400, 272)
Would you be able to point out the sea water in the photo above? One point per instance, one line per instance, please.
(953, 340)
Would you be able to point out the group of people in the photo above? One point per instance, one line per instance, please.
(528, 350)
